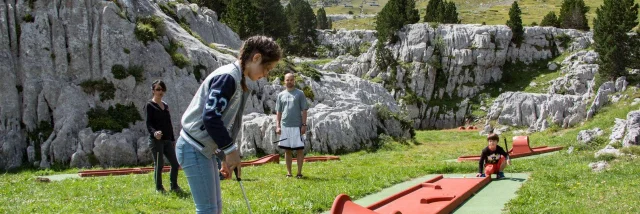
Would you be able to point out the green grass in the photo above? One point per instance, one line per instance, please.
(340, 9)
(354, 24)
(493, 12)
(559, 183)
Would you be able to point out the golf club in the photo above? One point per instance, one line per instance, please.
(220, 154)
(235, 171)
(280, 141)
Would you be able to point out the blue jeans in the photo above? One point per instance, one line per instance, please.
(202, 175)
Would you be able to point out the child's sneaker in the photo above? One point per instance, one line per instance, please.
(500, 175)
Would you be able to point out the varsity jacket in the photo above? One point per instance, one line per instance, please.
(214, 116)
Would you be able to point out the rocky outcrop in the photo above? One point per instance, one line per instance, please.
(346, 114)
(68, 43)
(579, 71)
(607, 150)
(602, 97)
(438, 68)
(618, 130)
(537, 111)
(343, 42)
(632, 134)
(205, 23)
(599, 166)
(586, 136)
(60, 66)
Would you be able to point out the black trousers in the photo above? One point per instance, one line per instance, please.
(166, 147)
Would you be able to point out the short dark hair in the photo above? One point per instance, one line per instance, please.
(158, 82)
(493, 136)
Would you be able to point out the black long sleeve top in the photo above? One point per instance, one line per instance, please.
(159, 120)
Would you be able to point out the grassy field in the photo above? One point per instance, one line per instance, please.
(492, 12)
(559, 183)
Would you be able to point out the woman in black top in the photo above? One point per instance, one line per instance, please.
(161, 136)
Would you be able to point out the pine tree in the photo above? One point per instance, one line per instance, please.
(302, 23)
(322, 21)
(242, 18)
(550, 20)
(442, 12)
(515, 23)
(451, 13)
(433, 11)
(573, 15)
(273, 21)
(411, 13)
(393, 16)
(614, 19)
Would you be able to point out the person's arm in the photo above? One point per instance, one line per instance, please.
(278, 118)
(304, 107)
(483, 158)
(220, 92)
(173, 138)
(279, 108)
(150, 114)
(503, 153)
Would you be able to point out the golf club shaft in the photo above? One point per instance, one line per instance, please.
(235, 171)
(506, 147)
(280, 140)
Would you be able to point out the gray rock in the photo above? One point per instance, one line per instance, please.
(621, 84)
(115, 150)
(602, 98)
(580, 70)
(341, 42)
(552, 66)
(608, 150)
(632, 136)
(470, 55)
(618, 130)
(31, 154)
(87, 138)
(533, 110)
(80, 159)
(586, 136)
(635, 101)
(205, 23)
(143, 151)
(599, 166)
(616, 97)
(501, 130)
(570, 150)
(342, 117)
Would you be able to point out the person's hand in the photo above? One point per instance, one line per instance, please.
(303, 130)
(224, 170)
(232, 161)
(157, 135)
(278, 130)
(509, 162)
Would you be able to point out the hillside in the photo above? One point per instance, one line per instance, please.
(492, 12)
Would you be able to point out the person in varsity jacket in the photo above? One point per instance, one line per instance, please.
(214, 117)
